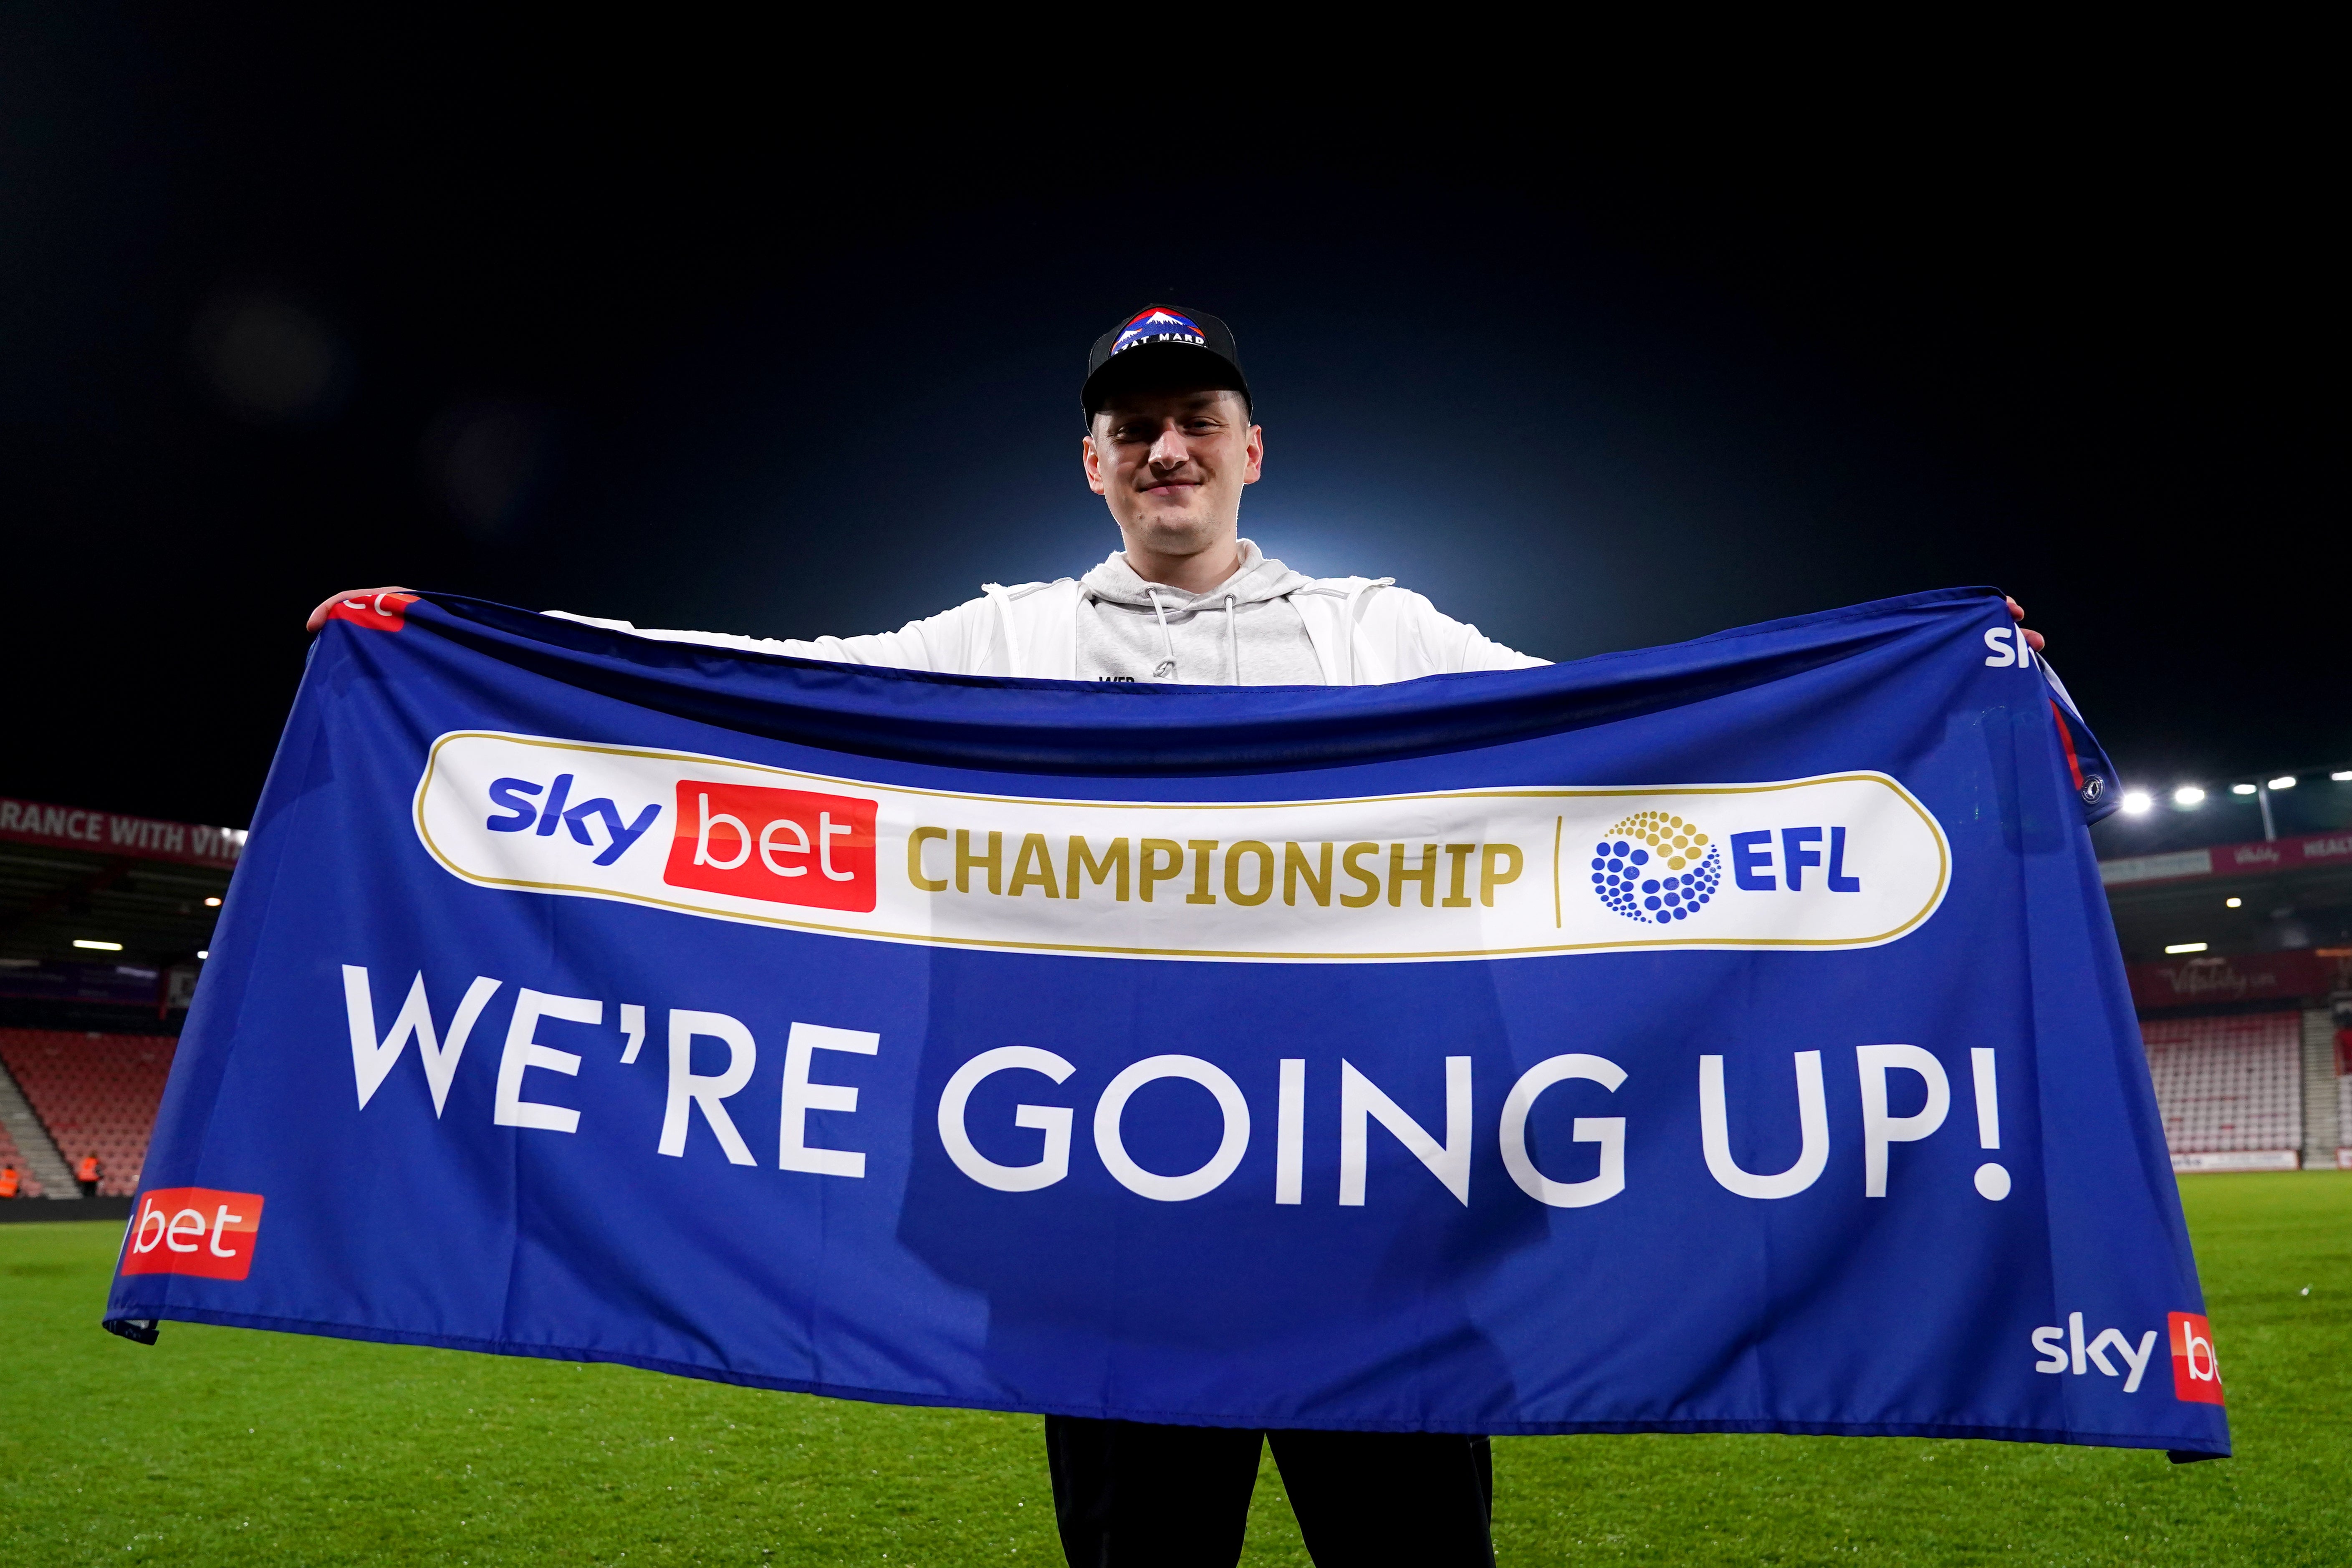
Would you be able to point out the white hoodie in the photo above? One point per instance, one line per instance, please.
(1265, 626)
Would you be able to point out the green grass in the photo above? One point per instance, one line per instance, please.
(224, 1446)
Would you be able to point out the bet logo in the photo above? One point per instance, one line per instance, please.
(1656, 868)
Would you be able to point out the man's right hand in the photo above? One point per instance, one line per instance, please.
(358, 597)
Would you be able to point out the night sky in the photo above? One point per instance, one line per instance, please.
(281, 314)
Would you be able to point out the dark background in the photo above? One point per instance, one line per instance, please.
(284, 312)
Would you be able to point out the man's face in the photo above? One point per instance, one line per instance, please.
(1172, 465)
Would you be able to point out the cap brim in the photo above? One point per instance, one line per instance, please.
(1162, 367)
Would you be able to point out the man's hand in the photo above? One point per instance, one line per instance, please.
(367, 596)
(2033, 639)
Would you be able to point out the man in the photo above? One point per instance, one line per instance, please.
(1170, 445)
(86, 1175)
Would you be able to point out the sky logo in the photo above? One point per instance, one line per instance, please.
(2067, 1351)
(556, 811)
(1158, 326)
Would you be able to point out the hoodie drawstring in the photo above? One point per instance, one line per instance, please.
(1167, 667)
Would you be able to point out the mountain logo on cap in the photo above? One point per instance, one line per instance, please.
(1158, 326)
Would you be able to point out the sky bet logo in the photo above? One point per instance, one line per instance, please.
(779, 846)
(1838, 861)
(2196, 1375)
(194, 1230)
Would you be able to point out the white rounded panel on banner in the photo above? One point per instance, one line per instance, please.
(1836, 862)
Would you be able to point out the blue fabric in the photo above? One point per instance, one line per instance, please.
(1674, 1304)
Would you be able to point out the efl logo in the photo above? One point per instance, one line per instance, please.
(194, 1230)
(1685, 874)
(2196, 1374)
(785, 846)
(1657, 867)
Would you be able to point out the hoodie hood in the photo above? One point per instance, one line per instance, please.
(1260, 578)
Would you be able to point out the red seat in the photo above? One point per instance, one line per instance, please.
(2228, 1085)
(11, 1155)
(97, 1094)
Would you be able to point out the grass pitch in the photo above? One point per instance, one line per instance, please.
(231, 1447)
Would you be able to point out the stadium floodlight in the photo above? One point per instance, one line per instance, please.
(2284, 781)
(2226, 903)
(2342, 775)
(2180, 947)
(98, 946)
(2241, 789)
(202, 952)
(2188, 794)
(2136, 801)
(212, 903)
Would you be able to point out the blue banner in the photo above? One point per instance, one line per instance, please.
(1727, 1036)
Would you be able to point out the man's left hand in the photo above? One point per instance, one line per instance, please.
(2033, 639)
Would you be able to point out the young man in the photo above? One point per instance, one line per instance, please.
(1169, 445)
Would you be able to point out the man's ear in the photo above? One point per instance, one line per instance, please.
(1091, 461)
(1255, 447)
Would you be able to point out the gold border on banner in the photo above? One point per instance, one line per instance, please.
(1934, 900)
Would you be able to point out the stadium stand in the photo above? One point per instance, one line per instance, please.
(2228, 1085)
(2344, 1099)
(40, 1170)
(11, 1155)
(96, 1093)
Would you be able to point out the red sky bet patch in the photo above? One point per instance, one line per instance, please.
(783, 845)
(380, 612)
(2196, 1374)
(194, 1230)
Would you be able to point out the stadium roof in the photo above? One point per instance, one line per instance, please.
(97, 908)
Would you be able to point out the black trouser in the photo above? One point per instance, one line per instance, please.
(1129, 1494)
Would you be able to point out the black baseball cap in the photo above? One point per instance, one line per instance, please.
(1147, 346)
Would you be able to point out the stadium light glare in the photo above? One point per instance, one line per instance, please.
(2241, 789)
(2226, 903)
(2284, 781)
(2188, 794)
(2136, 801)
(203, 952)
(98, 946)
(212, 903)
(2175, 949)
(2342, 775)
